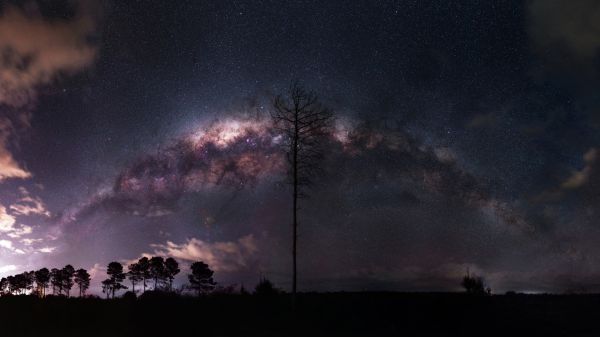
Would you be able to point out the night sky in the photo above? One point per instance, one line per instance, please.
(467, 137)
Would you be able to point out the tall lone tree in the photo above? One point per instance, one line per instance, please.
(303, 122)
(82, 279)
(201, 277)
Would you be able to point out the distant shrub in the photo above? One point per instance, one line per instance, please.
(157, 294)
(129, 295)
(265, 288)
(224, 290)
(474, 284)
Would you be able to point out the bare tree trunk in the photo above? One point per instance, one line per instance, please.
(303, 121)
(295, 212)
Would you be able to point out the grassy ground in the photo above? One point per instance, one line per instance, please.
(336, 314)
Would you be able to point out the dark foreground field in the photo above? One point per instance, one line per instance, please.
(339, 314)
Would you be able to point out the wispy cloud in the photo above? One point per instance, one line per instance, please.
(224, 256)
(579, 178)
(7, 268)
(7, 244)
(30, 205)
(33, 51)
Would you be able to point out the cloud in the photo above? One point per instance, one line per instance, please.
(7, 268)
(444, 154)
(7, 225)
(9, 168)
(47, 250)
(6, 220)
(7, 244)
(483, 120)
(29, 242)
(571, 26)
(581, 181)
(20, 231)
(226, 256)
(579, 178)
(34, 51)
(30, 205)
(97, 272)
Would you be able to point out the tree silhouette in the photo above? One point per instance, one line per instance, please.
(144, 267)
(157, 270)
(265, 288)
(29, 280)
(171, 269)
(201, 278)
(82, 279)
(56, 281)
(67, 278)
(474, 284)
(18, 284)
(11, 284)
(42, 278)
(106, 287)
(135, 275)
(303, 121)
(3, 285)
(116, 276)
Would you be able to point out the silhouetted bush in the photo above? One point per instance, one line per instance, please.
(266, 288)
(129, 296)
(224, 290)
(158, 295)
(475, 285)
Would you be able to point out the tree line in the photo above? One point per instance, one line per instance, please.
(155, 272)
(37, 282)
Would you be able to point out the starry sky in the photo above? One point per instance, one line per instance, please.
(466, 137)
